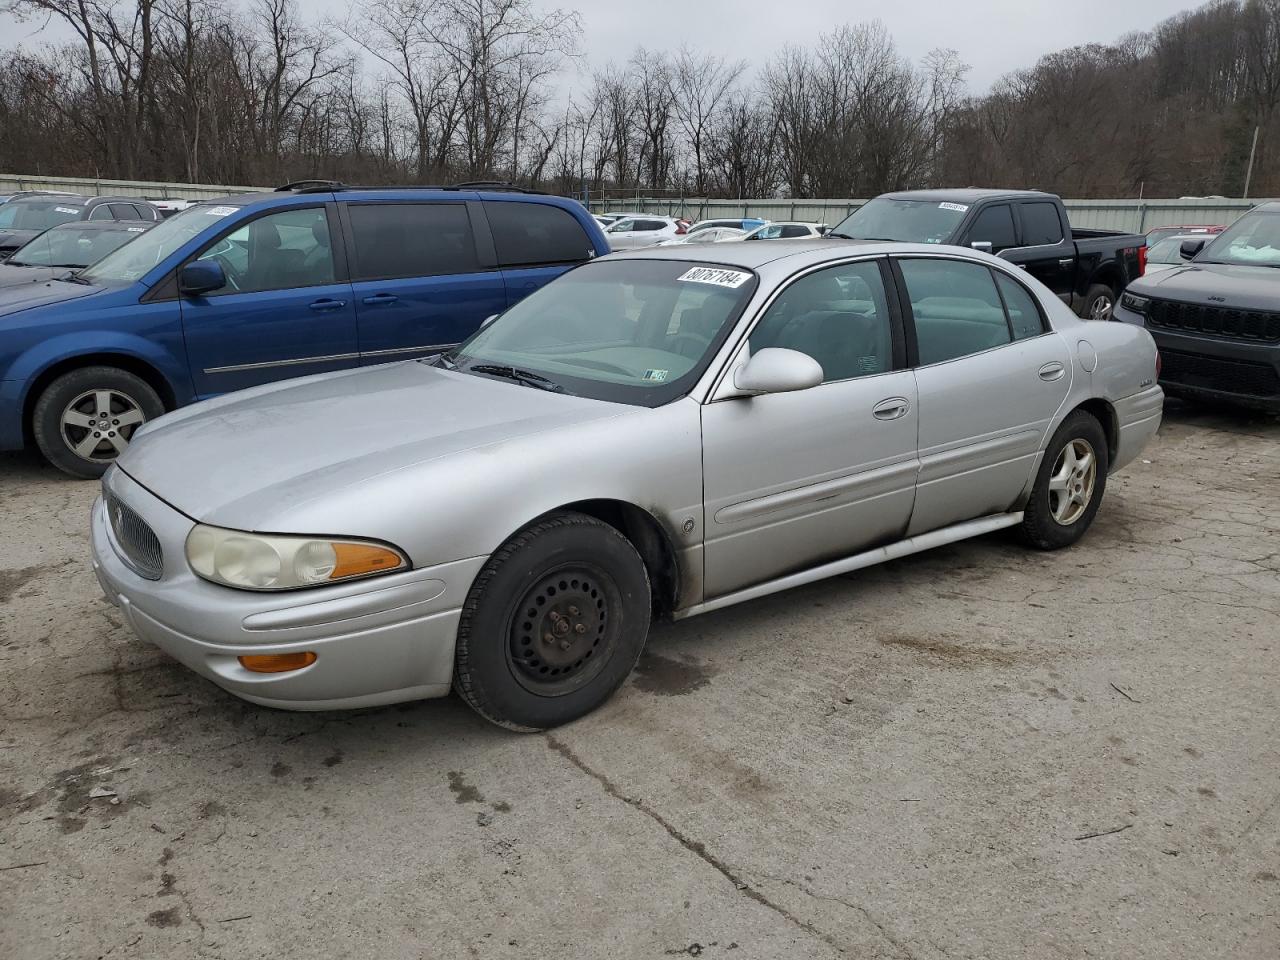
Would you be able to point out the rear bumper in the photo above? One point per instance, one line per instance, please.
(376, 641)
(1138, 418)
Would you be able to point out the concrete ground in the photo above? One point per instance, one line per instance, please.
(978, 752)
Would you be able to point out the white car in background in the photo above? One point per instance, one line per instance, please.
(1166, 253)
(743, 224)
(713, 235)
(787, 230)
(643, 230)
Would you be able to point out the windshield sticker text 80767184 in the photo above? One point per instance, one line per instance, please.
(721, 278)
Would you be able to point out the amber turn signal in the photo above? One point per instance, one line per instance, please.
(361, 559)
(277, 662)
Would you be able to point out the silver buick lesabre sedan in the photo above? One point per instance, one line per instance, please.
(658, 433)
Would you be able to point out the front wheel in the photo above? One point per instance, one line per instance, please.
(553, 624)
(85, 418)
(1069, 484)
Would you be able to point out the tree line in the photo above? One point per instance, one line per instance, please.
(440, 91)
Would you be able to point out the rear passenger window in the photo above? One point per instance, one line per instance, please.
(1024, 312)
(956, 306)
(534, 233)
(1040, 224)
(395, 240)
(839, 316)
(994, 226)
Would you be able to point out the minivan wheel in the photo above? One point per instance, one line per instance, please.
(553, 624)
(1069, 484)
(85, 418)
(1099, 302)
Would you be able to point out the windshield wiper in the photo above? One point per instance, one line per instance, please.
(516, 374)
(75, 278)
(839, 236)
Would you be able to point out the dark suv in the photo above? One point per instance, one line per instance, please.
(244, 290)
(26, 217)
(1216, 319)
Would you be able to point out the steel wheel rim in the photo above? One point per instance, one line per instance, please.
(561, 632)
(97, 425)
(1071, 482)
(1101, 308)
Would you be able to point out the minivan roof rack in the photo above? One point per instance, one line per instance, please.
(306, 186)
(326, 186)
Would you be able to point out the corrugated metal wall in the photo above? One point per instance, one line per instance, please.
(1132, 215)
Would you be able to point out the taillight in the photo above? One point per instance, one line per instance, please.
(681, 229)
(1142, 260)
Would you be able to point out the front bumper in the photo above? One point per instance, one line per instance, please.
(376, 641)
(1242, 372)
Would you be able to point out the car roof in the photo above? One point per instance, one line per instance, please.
(77, 198)
(1270, 206)
(102, 224)
(755, 255)
(968, 194)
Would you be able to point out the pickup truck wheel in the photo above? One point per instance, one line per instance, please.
(1069, 484)
(553, 624)
(85, 418)
(1099, 302)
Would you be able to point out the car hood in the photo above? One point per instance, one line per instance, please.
(11, 239)
(1250, 288)
(11, 276)
(247, 459)
(24, 296)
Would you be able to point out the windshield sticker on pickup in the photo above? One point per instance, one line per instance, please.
(134, 229)
(957, 207)
(67, 209)
(721, 278)
(220, 211)
(657, 376)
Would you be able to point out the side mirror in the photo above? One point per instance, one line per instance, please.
(778, 370)
(1189, 248)
(983, 246)
(201, 276)
(489, 319)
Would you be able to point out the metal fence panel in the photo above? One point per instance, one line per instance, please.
(11, 183)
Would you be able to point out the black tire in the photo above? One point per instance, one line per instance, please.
(553, 624)
(127, 396)
(1040, 528)
(1099, 303)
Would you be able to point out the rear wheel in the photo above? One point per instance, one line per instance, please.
(85, 418)
(553, 624)
(1069, 485)
(1099, 303)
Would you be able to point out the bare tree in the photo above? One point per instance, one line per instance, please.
(700, 84)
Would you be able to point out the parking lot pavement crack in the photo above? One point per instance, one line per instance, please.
(696, 847)
(856, 908)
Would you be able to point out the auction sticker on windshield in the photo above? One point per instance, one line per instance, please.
(721, 278)
(958, 207)
(67, 209)
(220, 211)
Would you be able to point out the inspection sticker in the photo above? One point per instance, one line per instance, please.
(658, 376)
(721, 278)
(67, 209)
(219, 211)
(134, 229)
(957, 207)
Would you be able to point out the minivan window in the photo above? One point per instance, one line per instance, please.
(132, 261)
(395, 240)
(277, 252)
(534, 233)
(956, 307)
(1041, 225)
(994, 225)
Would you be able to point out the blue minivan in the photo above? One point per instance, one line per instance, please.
(244, 290)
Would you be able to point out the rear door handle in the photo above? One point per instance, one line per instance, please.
(1052, 371)
(380, 298)
(891, 409)
(327, 303)
(1066, 262)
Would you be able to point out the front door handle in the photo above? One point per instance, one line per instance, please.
(1052, 371)
(891, 409)
(380, 298)
(327, 303)
(1066, 262)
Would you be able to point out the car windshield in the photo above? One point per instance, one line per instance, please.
(31, 214)
(1166, 250)
(1252, 240)
(630, 331)
(912, 221)
(75, 245)
(131, 262)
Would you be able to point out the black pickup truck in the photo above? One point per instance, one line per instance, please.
(1088, 269)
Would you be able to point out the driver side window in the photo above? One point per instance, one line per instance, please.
(280, 251)
(839, 316)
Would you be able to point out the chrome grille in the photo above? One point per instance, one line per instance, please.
(137, 545)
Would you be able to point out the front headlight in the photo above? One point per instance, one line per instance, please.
(1135, 303)
(250, 561)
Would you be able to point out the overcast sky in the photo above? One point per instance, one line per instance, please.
(993, 36)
